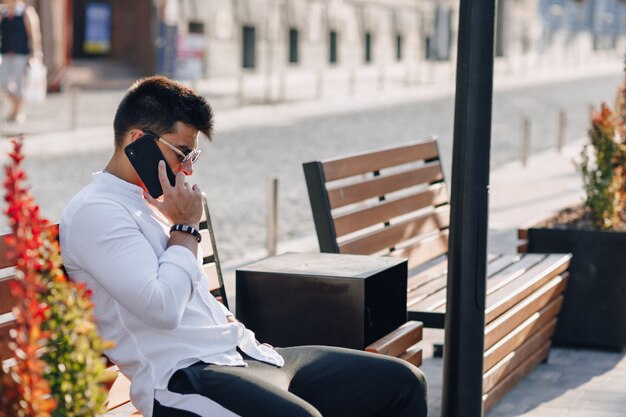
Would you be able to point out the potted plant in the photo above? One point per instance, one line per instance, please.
(594, 308)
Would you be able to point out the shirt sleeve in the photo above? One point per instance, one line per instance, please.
(225, 310)
(104, 240)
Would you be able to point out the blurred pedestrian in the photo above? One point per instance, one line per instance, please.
(20, 44)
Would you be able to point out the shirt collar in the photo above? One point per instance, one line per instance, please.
(116, 182)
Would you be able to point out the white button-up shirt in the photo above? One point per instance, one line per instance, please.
(152, 300)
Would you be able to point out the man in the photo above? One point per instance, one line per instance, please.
(20, 43)
(184, 351)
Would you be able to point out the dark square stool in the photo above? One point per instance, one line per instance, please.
(320, 298)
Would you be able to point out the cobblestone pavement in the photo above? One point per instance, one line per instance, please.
(573, 383)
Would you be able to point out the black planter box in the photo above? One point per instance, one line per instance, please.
(594, 308)
(320, 298)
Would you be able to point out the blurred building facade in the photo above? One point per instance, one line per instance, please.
(192, 39)
(283, 35)
(288, 35)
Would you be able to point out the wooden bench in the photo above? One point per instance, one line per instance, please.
(394, 202)
(401, 343)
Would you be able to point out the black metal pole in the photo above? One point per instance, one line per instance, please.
(465, 313)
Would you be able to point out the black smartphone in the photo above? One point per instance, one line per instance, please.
(144, 155)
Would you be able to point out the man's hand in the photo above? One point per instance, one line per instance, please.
(181, 203)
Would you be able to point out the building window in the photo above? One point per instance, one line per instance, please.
(332, 47)
(293, 46)
(368, 47)
(398, 47)
(249, 47)
(195, 27)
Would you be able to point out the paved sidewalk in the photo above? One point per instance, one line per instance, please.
(573, 383)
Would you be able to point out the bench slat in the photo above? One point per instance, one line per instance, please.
(385, 210)
(439, 271)
(399, 340)
(433, 280)
(5, 259)
(430, 290)
(413, 355)
(498, 274)
(390, 236)
(517, 337)
(335, 169)
(500, 370)
(424, 250)
(119, 391)
(492, 397)
(524, 264)
(385, 184)
(497, 264)
(435, 271)
(504, 298)
(505, 323)
(124, 410)
(7, 322)
(211, 272)
(6, 299)
(205, 244)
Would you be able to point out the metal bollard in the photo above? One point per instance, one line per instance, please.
(562, 123)
(319, 83)
(525, 146)
(272, 216)
(73, 108)
(351, 82)
(240, 98)
(282, 85)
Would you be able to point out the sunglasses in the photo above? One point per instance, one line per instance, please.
(192, 155)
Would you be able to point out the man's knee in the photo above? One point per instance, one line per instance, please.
(417, 401)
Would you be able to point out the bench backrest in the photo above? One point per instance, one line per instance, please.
(211, 267)
(386, 202)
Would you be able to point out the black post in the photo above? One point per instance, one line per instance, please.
(465, 313)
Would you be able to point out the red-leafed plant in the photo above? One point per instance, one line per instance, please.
(59, 368)
(27, 392)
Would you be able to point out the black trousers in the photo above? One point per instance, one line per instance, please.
(315, 381)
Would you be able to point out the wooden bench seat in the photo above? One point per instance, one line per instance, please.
(394, 202)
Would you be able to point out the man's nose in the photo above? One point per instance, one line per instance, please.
(186, 168)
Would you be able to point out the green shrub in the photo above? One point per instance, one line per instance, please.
(602, 167)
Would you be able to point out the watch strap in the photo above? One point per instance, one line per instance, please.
(187, 229)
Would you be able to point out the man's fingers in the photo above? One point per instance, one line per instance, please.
(165, 183)
(180, 178)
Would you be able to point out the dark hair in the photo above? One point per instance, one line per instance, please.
(156, 104)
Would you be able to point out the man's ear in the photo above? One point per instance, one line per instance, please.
(135, 134)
